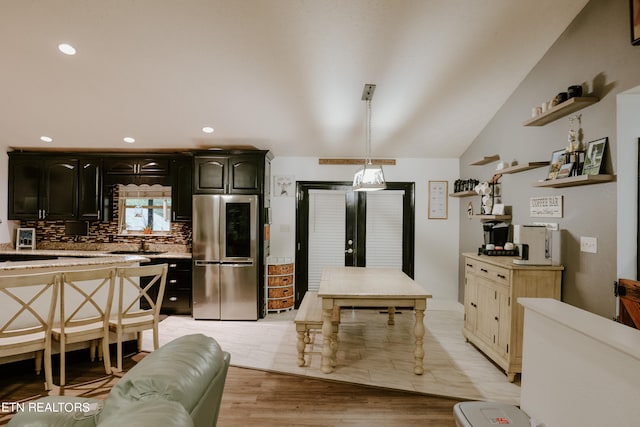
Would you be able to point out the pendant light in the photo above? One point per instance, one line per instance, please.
(370, 177)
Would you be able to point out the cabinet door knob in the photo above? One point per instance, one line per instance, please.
(173, 299)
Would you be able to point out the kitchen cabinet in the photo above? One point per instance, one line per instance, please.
(181, 188)
(493, 321)
(44, 186)
(128, 165)
(39, 187)
(229, 174)
(177, 292)
(89, 189)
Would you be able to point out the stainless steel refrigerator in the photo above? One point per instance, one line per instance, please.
(225, 264)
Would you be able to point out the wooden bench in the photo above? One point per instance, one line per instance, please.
(309, 317)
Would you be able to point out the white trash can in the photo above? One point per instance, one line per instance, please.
(489, 414)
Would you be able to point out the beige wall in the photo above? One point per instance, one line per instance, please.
(594, 51)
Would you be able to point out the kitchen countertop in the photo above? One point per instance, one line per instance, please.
(507, 262)
(89, 254)
(42, 265)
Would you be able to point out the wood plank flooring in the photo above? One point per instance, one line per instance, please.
(254, 398)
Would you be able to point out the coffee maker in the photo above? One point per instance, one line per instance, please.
(496, 234)
(538, 245)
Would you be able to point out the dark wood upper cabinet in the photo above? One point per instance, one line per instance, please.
(229, 174)
(136, 166)
(89, 189)
(43, 188)
(210, 175)
(181, 188)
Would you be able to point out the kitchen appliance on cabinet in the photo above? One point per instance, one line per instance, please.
(225, 264)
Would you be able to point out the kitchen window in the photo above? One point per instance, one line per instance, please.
(144, 210)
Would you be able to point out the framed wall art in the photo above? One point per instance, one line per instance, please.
(594, 157)
(635, 21)
(438, 202)
(283, 185)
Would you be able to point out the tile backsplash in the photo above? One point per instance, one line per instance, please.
(51, 234)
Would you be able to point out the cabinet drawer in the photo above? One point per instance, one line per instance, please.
(179, 280)
(470, 266)
(280, 269)
(276, 304)
(495, 274)
(281, 292)
(176, 302)
(280, 281)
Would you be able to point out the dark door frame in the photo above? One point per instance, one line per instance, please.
(356, 202)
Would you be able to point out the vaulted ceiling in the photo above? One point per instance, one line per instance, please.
(284, 75)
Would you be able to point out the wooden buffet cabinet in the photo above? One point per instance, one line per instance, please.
(493, 320)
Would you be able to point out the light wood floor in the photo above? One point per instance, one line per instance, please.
(256, 398)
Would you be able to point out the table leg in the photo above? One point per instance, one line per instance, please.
(328, 351)
(392, 316)
(418, 331)
(301, 347)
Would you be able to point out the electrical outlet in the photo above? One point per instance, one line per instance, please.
(589, 244)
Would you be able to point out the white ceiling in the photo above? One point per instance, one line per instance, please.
(284, 75)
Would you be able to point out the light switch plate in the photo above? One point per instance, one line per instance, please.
(589, 244)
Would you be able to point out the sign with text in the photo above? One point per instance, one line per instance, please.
(545, 207)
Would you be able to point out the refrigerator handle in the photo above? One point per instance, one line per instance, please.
(201, 263)
(237, 264)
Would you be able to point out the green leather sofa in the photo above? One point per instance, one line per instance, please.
(180, 384)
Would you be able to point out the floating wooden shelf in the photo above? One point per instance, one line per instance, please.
(486, 160)
(567, 107)
(523, 167)
(492, 217)
(574, 181)
(463, 194)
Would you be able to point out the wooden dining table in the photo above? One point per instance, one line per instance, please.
(370, 287)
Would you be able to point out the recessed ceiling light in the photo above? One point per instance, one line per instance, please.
(67, 49)
(129, 140)
(207, 129)
(46, 139)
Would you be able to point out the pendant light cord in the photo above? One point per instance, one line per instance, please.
(368, 133)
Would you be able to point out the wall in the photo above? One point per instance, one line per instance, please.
(594, 51)
(436, 241)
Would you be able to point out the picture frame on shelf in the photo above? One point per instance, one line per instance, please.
(565, 170)
(557, 160)
(634, 15)
(594, 157)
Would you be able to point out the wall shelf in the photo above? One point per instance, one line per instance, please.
(567, 107)
(486, 160)
(522, 167)
(574, 181)
(492, 217)
(463, 194)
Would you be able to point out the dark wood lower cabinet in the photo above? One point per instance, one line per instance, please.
(177, 292)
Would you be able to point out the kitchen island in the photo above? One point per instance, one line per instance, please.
(66, 263)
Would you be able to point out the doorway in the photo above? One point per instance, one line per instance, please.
(337, 226)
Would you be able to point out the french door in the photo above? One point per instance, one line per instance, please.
(337, 226)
